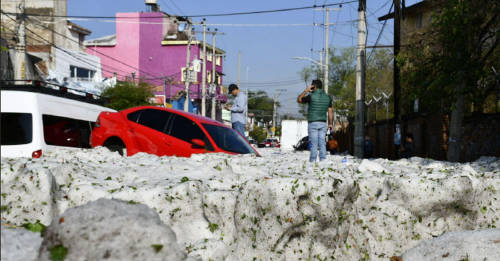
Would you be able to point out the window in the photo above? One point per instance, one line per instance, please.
(17, 128)
(187, 130)
(218, 60)
(154, 119)
(134, 116)
(81, 74)
(227, 139)
(67, 132)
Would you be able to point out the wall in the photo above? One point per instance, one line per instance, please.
(291, 132)
(481, 136)
(126, 50)
(79, 59)
(140, 46)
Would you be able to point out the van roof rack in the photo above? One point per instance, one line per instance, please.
(54, 89)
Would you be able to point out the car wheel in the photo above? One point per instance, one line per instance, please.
(115, 144)
(116, 147)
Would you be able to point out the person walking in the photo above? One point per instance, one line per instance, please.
(319, 104)
(238, 109)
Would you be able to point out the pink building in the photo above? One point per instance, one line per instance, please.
(148, 46)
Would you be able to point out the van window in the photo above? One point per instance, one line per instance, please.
(186, 130)
(17, 128)
(67, 132)
(154, 119)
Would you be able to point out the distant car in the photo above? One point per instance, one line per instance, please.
(38, 117)
(165, 132)
(269, 143)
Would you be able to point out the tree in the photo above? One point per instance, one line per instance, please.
(126, 95)
(342, 78)
(305, 75)
(259, 134)
(261, 105)
(449, 65)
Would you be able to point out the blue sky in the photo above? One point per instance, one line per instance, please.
(266, 51)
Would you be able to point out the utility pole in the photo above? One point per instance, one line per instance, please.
(274, 112)
(246, 92)
(325, 72)
(239, 69)
(359, 124)
(20, 66)
(204, 71)
(187, 72)
(213, 75)
(397, 87)
(275, 106)
(165, 91)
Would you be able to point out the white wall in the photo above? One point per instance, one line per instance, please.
(291, 132)
(83, 60)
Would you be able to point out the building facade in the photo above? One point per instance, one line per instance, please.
(148, 46)
(54, 45)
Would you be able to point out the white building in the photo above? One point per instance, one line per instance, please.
(55, 41)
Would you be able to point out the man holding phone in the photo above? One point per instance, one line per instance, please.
(319, 104)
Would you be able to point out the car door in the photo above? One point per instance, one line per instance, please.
(181, 133)
(148, 127)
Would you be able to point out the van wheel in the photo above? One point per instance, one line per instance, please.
(116, 147)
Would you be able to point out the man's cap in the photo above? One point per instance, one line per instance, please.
(232, 87)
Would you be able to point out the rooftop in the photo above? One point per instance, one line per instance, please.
(79, 29)
(418, 7)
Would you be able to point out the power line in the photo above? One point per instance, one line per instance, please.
(82, 59)
(175, 5)
(201, 15)
(90, 63)
(52, 30)
(380, 33)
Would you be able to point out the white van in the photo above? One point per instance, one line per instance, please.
(36, 119)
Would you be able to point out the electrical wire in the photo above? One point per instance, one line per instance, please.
(48, 28)
(203, 15)
(379, 34)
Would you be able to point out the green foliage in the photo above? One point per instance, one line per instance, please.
(35, 227)
(126, 95)
(58, 253)
(342, 78)
(157, 247)
(259, 134)
(212, 227)
(454, 57)
(261, 105)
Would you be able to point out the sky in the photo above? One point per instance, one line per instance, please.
(266, 48)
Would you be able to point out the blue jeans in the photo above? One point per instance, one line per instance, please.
(317, 134)
(239, 127)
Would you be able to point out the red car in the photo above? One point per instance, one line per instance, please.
(165, 132)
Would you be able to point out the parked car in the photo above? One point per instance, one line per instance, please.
(269, 143)
(37, 117)
(165, 132)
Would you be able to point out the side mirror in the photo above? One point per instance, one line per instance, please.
(197, 143)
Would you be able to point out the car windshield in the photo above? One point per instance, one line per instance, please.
(227, 139)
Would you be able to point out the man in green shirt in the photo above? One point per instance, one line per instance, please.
(319, 104)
